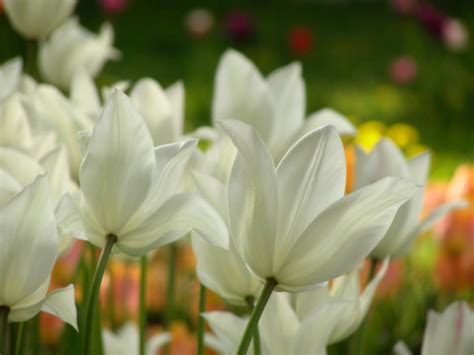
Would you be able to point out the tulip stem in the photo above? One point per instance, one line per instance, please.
(94, 294)
(19, 339)
(171, 284)
(256, 314)
(4, 311)
(142, 316)
(256, 336)
(200, 322)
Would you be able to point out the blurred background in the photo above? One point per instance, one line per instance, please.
(399, 68)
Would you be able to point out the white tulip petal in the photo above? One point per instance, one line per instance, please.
(384, 160)
(214, 265)
(240, 92)
(178, 216)
(328, 116)
(27, 220)
(401, 348)
(84, 139)
(426, 224)
(10, 75)
(228, 329)
(84, 93)
(175, 95)
(253, 198)
(155, 343)
(68, 218)
(56, 164)
(450, 332)
(20, 166)
(342, 235)
(9, 186)
(60, 303)
(31, 305)
(311, 176)
(419, 167)
(14, 126)
(116, 174)
(287, 87)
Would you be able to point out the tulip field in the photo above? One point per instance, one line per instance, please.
(265, 178)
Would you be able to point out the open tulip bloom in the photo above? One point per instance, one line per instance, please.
(28, 251)
(292, 224)
(129, 197)
(387, 160)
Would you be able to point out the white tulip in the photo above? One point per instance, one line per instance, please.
(292, 223)
(10, 77)
(281, 330)
(450, 332)
(162, 110)
(50, 111)
(344, 288)
(125, 341)
(70, 48)
(387, 160)
(129, 189)
(15, 129)
(275, 106)
(222, 270)
(38, 18)
(28, 251)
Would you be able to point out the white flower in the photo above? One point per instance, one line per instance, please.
(222, 270)
(129, 189)
(450, 332)
(125, 341)
(37, 18)
(71, 48)
(28, 251)
(10, 77)
(275, 106)
(50, 112)
(162, 110)
(353, 304)
(387, 160)
(15, 129)
(281, 330)
(292, 222)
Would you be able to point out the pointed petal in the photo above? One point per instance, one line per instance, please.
(419, 167)
(83, 139)
(27, 220)
(68, 218)
(253, 199)
(56, 164)
(178, 216)
(175, 95)
(84, 93)
(346, 232)
(60, 303)
(228, 329)
(401, 348)
(328, 116)
(384, 160)
(288, 90)
(426, 224)
(117, 171)
(241, 93)
(311, 176)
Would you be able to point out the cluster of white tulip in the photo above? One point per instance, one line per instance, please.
(264, 204)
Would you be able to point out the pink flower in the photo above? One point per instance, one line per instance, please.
(239, 26)
(301, 40)
(455, 35)
(111, 7)
(403, 70)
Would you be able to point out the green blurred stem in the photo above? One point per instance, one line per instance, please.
(358, 339)
(255, 317)
(94, 294)
(4, 311)
(173, 249)
(142, 315)
(256, 336)
(200, 322)
(31, 57)
(19, 339)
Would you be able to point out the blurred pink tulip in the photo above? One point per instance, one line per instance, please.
(111, 7)
(403, 70)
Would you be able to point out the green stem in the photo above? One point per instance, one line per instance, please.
(171, 284)
(111, 297)
(256, 336)
(31, 58)
(255, 317)
(88, 330)
(4, 311)
(19, 339)
(200, 322)
(142, 315)
(358, 339)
